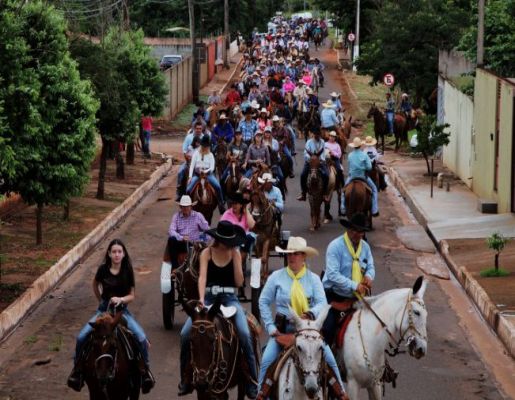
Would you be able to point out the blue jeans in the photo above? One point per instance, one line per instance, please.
(375, 205)
(390, 115)
(273, 349)
(183, 170)
(305, 173)
(289, 157)
(242, 328)
(146, 142)
(213, 181)
(132, 325)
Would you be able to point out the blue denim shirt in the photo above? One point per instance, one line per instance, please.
(277, 291)
(359, 163)
(338, 267)
(314, 147)
(276, 195)
(328, 117)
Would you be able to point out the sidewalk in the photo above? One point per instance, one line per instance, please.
(222, 79)
(459, 230)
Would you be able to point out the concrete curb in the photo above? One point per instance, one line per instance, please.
(13, 315)
(504, 329)
(223, 89)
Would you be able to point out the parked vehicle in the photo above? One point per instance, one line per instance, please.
(169, 60)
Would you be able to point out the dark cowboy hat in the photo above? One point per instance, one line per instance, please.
(357, 223)
(228, 234)
(205, 141)
(238, 198)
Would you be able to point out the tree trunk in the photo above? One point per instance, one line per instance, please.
(120, 165)
(129, 157)
(39, 223)
(0, 254)
(102, 170)
(66, 211)
(496, 262)
(427, 163)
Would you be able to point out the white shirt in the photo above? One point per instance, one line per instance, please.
(202, 162)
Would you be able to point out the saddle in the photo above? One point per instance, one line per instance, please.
(359, 179)
(208, 186)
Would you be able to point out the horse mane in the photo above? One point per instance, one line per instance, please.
(375, 300)
(104, 319)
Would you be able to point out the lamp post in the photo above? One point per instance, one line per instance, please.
(356, 41)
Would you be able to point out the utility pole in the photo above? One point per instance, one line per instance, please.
(480, 32)
(356, 40)
(226, 34)
(126, 18)
(195, 70)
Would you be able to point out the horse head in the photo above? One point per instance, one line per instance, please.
(258, 204)
(105, 346)
(373, 111)
(414, 320)
(314, 162)
(308, 352)
(204, 342)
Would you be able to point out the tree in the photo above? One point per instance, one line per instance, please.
(430, 137)
(497, 242)
(406, 38)
(499, 39)
(49, 110)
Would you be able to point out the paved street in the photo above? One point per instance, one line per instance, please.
(451, 370)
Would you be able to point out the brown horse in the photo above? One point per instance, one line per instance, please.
(231, 185)
(221, 157)
(315, 193)
(358, 199)
(205, 196)
(266, 228)
(334, 185)
(381, 127)
(216, 360)
(108, 371)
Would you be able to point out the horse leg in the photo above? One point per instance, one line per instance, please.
(375, 392)
(327, 213)
(264, 259)
(352, 389)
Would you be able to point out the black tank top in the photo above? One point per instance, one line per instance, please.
(220, 276)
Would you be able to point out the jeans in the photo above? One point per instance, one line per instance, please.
(273, 349)
(132, 325)
(242, 328)
(289, 157)
(183, 170)
(249, 243)
(390, 115)
(339, 169)
(213, 181)
(375, 205)
(305, 173)
(146, 142)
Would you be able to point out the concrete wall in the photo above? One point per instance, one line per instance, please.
(453, 63)
(180, 92)
(505, 147)
(459, 114)
(233, 49)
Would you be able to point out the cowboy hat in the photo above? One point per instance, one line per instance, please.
(267, 177)
(297, 244)
(328, 104)
(205, 141)
(333, 133)
(357, 142)
(263, 110)
(358, 223)
(276, 118)
(222, 116)
(309, 91)
(334, 94)
(186, 201)
(280, 61)
(228, 234)
(370, 141)
(254, 104)
(238, 198)
(268, 128)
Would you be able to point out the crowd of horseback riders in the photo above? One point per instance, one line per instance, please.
(241, 149)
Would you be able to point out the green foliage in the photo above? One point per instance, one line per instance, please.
(48, 111)
(494, 273)
(405, 41)
(499, 39)
(431, 136)
(497, 242)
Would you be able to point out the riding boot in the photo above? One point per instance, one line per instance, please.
(76, 379)
(147, 380)
(335, 387)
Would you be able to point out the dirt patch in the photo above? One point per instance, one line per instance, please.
(476, 256)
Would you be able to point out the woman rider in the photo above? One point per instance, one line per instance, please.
(113, 284)
(298, 287)
(220, 265)
(237, 150)
(273, 150)
(257, 153)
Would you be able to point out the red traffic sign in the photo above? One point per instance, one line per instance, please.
(351, 37)
(389, 80)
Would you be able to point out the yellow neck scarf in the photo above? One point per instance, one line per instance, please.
(298, 299)
(357, 275)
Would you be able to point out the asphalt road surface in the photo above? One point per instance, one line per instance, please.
(451, 370)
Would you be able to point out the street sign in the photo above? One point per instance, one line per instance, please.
(389, 80)
(351, 37)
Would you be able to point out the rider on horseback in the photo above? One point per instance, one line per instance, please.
(406, 106)
(314, 147)
(222, 130)
(191, 142)
(390, 112)
(335, 152)
(359, 164)
(257, 153)
(237, 151)
(328, 116)
(280, 133)
(349, 270)
(273, 150)
(273, 194)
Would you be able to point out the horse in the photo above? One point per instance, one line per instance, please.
(266, 227)
(362, 358)
(221, 157)
(318, 39)
(216, 359)
(108, 371)
(300, 376)
(231, 185)
(358, 199)
(347, 127)
(334, 185)
(315, 193)
(381, 127)
(205, 196)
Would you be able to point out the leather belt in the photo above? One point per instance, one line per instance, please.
(215, 290)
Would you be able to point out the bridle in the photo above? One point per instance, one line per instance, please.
(308, 334)
(114, 362)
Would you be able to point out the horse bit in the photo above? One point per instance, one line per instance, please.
(303, 373)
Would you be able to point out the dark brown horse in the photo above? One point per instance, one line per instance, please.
(358, 199)
(381, 127)
(231, 185)
(315, 193)
(108, 372)
(221, 157)
(205, 196)
(216, 360)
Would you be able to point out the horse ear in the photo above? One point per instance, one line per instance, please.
(116, 319)
(419, 288)
(297, 321)
(322, 316)
(92, 324)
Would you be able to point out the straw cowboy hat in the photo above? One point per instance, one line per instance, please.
(370, 141)
(298, 244)
(228, 234)
(328, 104)
(358, 223)
(267, 177)
(334, 94)
(186, 201)
(357, 142)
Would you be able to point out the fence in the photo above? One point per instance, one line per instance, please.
(180, 91)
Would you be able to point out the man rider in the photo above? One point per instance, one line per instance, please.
(187, 151)
(222, 130)
(273, 194)
(349, 270)
(406, 106)
(314, 146)
(281, 134)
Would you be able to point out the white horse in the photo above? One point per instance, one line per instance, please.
(299, 377)
(404, 313)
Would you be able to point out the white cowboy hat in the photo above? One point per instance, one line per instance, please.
(276, 118)
(333, 133)
(186, 201)
(267, 177)
(328, 104)
(254, 104)
(334, 94)
(370, 141)
(298, 244)
(263, 110)
(309, 90)
(357, 142)
(268, 128)
(222, 116)
(404, 95)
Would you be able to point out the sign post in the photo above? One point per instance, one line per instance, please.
(389, 80)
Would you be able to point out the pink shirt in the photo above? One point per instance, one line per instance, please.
(307, 79)
(262, 124)
(288, 87)
(233, 219)
(334, 148)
